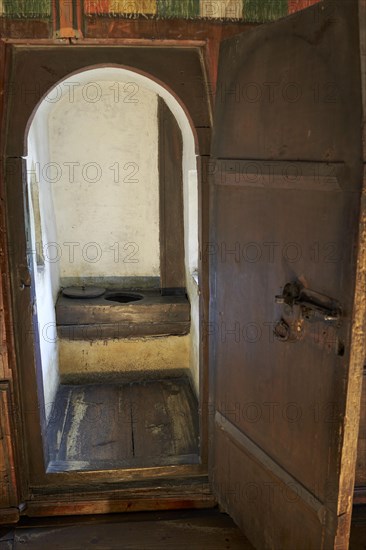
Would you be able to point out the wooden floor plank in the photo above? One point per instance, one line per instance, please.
(181, 406)
(56, 424)
(108, 426)
(97, 430)
(151, 423)
(70, 445)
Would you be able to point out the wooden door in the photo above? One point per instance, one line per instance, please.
(287, 264)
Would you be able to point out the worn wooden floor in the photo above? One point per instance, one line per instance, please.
(106, 426)
(191, 529)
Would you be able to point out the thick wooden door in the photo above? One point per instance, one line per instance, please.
(287, 264)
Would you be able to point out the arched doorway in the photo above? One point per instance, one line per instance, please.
(182, 76)
(113, 206)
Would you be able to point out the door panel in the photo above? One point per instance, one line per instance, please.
(289, 78)
(286, 181)
(282, 397)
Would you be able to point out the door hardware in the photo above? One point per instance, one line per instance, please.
(282, 331)
(24, 285)
(25, 280)
(288, 332)
(311, 303)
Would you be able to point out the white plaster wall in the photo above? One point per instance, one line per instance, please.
(104, 166)
(190, 196)
(46, 277)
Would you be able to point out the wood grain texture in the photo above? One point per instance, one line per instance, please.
(360, 477)
(251, 368)
(172, 266)
(159, 488)
(6, 337)
(181, 72)
(176, 29)
(9, 516)
(178, 530)
(153, 309)
(26, 344)
(362, 30)
(8, 485)
(10, 425)
(246, 96)
(353, 408)
(105, 426)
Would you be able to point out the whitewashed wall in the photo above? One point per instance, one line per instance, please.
(46, 276)
(104, 166)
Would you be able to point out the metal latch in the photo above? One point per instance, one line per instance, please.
(25, 280)
(311, 303)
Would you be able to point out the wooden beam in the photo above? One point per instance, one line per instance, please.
(8, 485)
(109, 506)
(172, 269)
(9, 516)
(67, 19)
(158, 29)
(154, 494)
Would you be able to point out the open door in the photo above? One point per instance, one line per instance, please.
(287, 264)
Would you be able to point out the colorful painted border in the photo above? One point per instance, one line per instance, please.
(26, 9)
(247, 10)
(256, 11)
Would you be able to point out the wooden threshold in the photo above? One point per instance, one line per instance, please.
(9, 516)
(166, 495)
(179, 43)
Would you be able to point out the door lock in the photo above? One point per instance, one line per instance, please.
(311, 303)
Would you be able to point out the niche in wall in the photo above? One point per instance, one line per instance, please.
(114, 156)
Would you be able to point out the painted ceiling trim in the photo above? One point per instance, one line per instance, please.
(25, 9)
(244, 10)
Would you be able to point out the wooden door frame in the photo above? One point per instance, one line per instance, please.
(179, 486)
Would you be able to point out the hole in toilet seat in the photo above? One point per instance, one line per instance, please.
(123, 297)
